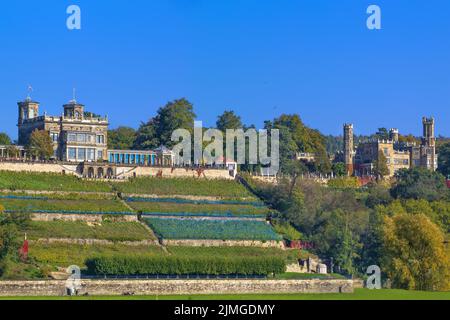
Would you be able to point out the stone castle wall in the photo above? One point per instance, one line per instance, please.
(170, 287)
(172, 173)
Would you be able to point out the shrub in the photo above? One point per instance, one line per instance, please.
(132, 265)
(344, 183)
(288, 231)
(420, 183)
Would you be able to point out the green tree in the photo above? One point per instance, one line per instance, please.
(378, 194)
(296, 137)
(339, 169)
(382, 134)
(380, 168)
(372, 242)
(5, 140)
(122, 138)
(322, 162)
(228, 120)
(146, 137)
(295, 169)
(178, 114)
(340, 240)
(40, 145)
(307, 140)
(444, 159)
(419, 183)
(414, 253)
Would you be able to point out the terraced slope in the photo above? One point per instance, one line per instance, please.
(212, 229)
(111, 231)
(49, 182)
(179, 209)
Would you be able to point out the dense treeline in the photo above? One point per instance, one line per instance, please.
(116, 265)
(295, 136)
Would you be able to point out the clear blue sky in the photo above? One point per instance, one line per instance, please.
(259, 58)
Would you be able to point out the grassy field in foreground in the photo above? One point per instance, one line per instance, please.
(359, 294)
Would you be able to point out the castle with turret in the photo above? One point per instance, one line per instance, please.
(359, 159)
(80, 147)
(76, 134)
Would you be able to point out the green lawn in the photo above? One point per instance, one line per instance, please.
(359, 294)
(113, 231)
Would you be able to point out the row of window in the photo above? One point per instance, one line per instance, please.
(132, 158)
(83, 154)
(86, 138)
(54, 136)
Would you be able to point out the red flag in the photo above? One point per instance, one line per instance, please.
(23, 251)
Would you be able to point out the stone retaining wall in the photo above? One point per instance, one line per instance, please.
(171, 287)
(80, 217)
(224, 243)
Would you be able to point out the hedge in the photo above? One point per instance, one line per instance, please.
(134, 265)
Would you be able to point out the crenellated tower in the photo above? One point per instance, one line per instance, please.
(348, 148)
(428, 147)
